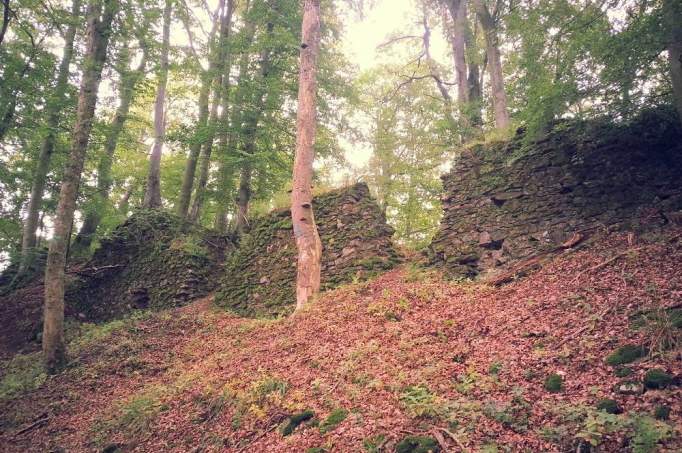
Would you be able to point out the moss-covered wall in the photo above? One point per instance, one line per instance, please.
(508, 201)
(259, 278)
(152, 260)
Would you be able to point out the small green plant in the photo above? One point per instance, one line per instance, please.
(333, 420)
(514, 415)
(554, 383)
(657, 378)
(417, 444)
(622, 372)
(495, 368)
(419, 401)
(626, 354)
(647, 434)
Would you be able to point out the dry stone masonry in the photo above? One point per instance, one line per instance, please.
(259, 277)
(508, 201)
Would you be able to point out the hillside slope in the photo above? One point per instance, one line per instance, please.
(516, 368)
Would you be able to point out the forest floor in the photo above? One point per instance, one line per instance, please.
(470, 366)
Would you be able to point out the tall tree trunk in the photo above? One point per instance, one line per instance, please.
(98, 31)
(202, 122)
(302, 216)
(129, 80)
(673, 19)
(494, 64)
(5, 19)
(152, 195)
(225, 171)
(458, 12)
(54, 107)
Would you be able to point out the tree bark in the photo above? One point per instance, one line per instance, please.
(98, 31)
(225, 171)
(54, 107)
(494, 64)
(458, 12)
(673, 18)
(202, 123)
(5, 20)
(302, 216)
(129, 80)
(152, 195)
(122, 205)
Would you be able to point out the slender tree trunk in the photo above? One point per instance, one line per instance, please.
(54, 107)
(129, 80)
(458, 12)
(5, 20)
(673, 18)
(202, 123)
(204, 163)
(494, 64)
(98, 31)
(122, 205)
(225, 170)
(303, 219)
(243, 198)
(152, 195)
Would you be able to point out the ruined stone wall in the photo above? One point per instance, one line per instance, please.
(152, 260)
(507, 201)
(259, 278)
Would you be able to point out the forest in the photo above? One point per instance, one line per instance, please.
(341, 225)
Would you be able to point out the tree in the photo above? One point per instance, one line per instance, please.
(499, 96)
(129, 79)
(53, 116)
(152, 196)
(100, 14)
(302, 216)
(672, 11)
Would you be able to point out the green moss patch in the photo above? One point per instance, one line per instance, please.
(657, 378)
(295, 421)
(417, 444)
(609, 406)
(626, 354)
(554, 383)
(333, 420)
(259, 278)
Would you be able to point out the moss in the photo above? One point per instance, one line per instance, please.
(295, 420)
(662, 412)
(626, 354)
(554, 383)
(22, 374)
(333, 420)
(417, 444)
(657, 378)
(374, 444)
(623, 371)
(609, 406)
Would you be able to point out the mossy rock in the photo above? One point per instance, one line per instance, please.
(334, 419)
(609, 406)
(554, 383)
(418, 444)
(626, 354)
(295, 421)
(623, 371)
(657, 378)
(662, 412)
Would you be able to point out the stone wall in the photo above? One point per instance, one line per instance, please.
(511, 200)
(152, 260)
(259, 278)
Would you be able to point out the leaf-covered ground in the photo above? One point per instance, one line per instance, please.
(517, 368)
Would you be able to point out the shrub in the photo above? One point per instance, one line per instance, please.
(419, 401)
(609, 406)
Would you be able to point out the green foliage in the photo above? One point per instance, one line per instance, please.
(514, 415)
(626, 354)
(373, 444)
(333, 420)
(662, 412)
(657, 378)
(420, 402)
(23, 373)
(417, 444)
(554, 383)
